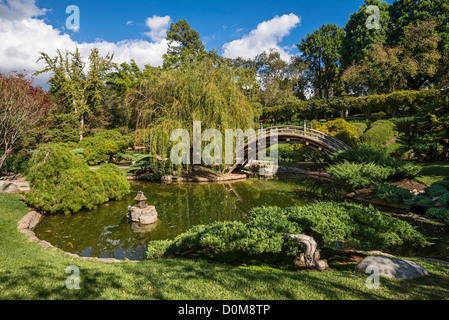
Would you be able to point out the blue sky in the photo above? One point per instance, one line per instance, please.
(136, 29)
(217, 22)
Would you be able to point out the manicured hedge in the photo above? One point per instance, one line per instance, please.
(379, 133)
(400, 102)
(360, 127)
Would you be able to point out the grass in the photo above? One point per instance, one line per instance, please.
(433, 172)
(28, 271)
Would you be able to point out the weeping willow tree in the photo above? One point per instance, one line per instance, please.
(207, 91)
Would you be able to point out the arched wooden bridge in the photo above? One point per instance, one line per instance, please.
(314, 139)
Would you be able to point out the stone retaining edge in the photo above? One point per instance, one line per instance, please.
(32, 218)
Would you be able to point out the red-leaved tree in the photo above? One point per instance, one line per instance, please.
(21, 107)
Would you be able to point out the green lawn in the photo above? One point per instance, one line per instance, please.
(27, 271)
(433, 172)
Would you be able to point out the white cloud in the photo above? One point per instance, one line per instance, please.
(158, 27)
(267, 35)
(23, 37)
(19, 9)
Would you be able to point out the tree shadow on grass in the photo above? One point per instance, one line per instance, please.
(223, 281)
(47, 282)
(175, 279)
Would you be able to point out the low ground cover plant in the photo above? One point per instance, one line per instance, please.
(367, 165)
(391, 193)
(356, 226)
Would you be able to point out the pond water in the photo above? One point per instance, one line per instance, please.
(106, 232)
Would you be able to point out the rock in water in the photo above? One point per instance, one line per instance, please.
(393, 268)
(147, 215)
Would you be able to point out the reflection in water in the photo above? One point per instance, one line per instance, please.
(106, 232)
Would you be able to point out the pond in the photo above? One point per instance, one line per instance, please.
(105, 232)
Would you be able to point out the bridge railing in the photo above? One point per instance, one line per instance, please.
(329, 143)
(316, 135)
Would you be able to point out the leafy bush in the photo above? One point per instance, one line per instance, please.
(444, 199)
(436, 190)
(404, 102)
(76, 189)
(359, 175)
(359, 227)
(360, 127)
(341, 129)
(378, 135)
(440, 213)
(62, 182)
(156, 249)
(79, 152)
(16, 163)
(391, 193)
(383, 123)
(49, 161)
(373, 154)
(150, 168)
(287, 152)
(104, 146)
(420, 200)
(404, 169)
(115, 183)
(364, 154)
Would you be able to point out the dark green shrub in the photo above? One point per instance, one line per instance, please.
(440, 213)
(420, 200)
(444, 199)
(105, 146)
(17, 163)
(114, 181)
(364, 154)
(391, 193)
(373, 154)
(150, 168)
(62, 182)
(359, 175)
(404, 169)
(358, 226)
(49, 161)
(436, 190)
(287, 153)
(77, 189)
(156, 249)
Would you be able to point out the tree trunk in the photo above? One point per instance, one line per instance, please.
(81, 127)
(3, 158)
(311, 256)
